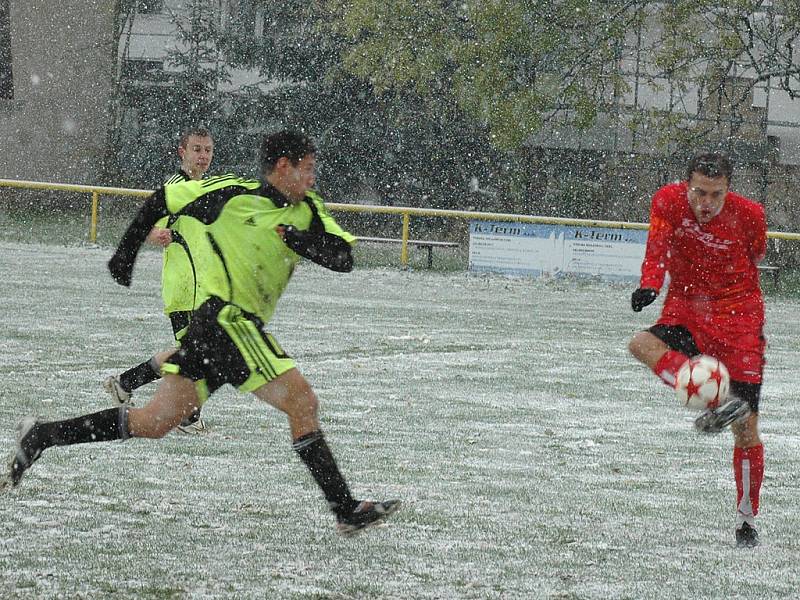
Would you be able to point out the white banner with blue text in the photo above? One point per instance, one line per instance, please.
(530, 249)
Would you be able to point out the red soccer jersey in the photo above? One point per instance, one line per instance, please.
(714, 285)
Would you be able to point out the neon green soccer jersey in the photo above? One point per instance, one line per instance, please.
(229, 226)
(178, 284)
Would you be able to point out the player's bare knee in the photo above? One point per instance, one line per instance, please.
(636, 345)
(304, 403)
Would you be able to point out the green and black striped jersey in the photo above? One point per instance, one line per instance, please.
(181, 175)
(238, 254)
(178, 283)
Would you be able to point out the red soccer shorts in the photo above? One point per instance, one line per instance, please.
(739, 347)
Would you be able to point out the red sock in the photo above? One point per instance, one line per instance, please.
(748, 470)
(667, 366)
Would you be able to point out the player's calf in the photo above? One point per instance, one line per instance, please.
(34, 437)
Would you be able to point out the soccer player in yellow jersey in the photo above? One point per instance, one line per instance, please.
(178, 285)
(255, 232)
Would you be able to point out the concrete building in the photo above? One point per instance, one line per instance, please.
(60, 62)
(57, 62)
(765, 119)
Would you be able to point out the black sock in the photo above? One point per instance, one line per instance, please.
(103, 426)
(315, 453)
(140, 375)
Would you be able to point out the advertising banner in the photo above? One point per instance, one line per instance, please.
(533, 250)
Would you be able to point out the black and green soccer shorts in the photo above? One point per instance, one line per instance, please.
(224, 344)
(180, 320)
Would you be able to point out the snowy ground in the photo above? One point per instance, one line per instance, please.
(535, 459)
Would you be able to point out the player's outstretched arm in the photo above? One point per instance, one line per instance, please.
(121, 263)
(325, 249)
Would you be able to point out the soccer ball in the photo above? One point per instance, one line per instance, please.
(703, 382)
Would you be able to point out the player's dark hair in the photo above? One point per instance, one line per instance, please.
(710, 164)
(294, 145)
(198, 130)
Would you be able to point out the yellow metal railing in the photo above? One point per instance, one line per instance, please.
(94, 190)
(406, 212)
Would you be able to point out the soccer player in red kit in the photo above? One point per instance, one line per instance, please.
(710, 241)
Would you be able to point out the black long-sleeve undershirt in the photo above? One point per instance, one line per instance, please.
(121, 263)
(316, 244)
(325, 249)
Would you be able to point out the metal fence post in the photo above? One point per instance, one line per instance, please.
(93, 219)
(404, 245)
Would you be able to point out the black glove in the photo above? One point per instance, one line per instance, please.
(642, 297)
(121, 268)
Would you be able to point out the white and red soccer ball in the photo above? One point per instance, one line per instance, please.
(702, 382)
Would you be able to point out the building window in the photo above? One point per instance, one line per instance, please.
(6, 73)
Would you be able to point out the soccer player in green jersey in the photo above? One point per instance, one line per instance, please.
(178, 285)
(255, 232)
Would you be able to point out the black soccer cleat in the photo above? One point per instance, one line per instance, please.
(26, 452)
(746, 536)
(716, 419)
(366, 514)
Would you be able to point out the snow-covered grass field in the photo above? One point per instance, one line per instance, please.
(534, 457)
